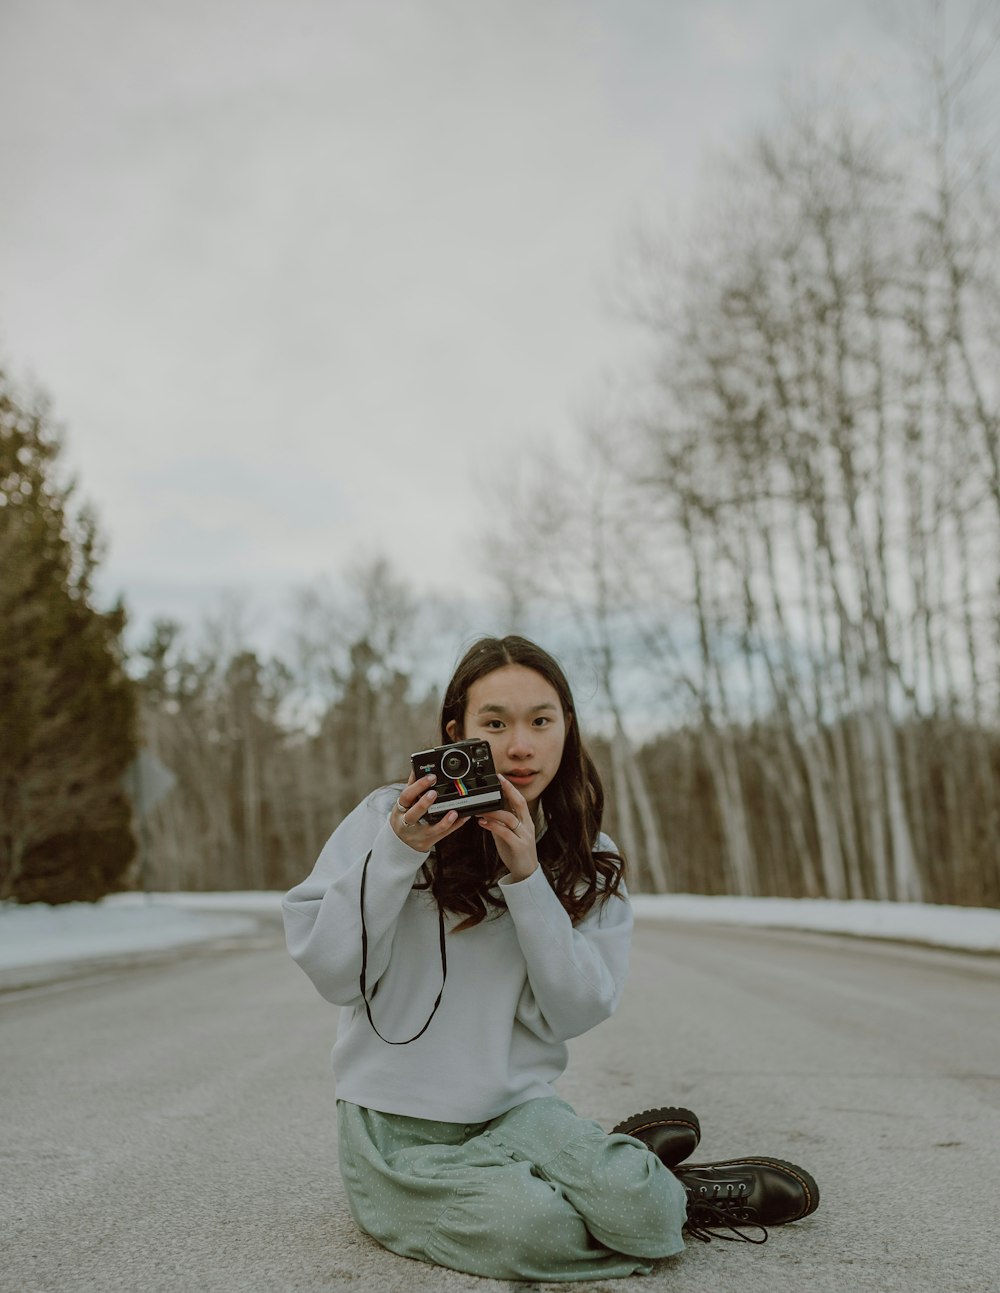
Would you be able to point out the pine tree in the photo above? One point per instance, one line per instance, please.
(67, 707)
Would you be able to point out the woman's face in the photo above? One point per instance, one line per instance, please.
(519, 713)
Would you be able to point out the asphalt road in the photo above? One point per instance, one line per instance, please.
(170, 1126)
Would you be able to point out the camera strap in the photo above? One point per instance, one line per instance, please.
(364, 965)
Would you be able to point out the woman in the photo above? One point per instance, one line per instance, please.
(454, 1147)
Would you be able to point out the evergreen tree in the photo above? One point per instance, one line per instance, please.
(67, 708)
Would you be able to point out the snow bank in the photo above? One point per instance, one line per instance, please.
(967, 928)
(37, 934)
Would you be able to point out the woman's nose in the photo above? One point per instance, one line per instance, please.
(519, 743)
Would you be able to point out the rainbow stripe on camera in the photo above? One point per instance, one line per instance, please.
(460, 787)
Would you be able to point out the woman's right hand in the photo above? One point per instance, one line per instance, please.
(407, 816)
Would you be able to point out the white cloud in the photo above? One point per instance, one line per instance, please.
(307, 275)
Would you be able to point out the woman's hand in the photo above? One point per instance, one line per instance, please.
(408, 811)
(513, 832)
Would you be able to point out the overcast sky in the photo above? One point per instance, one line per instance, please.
(306, 279)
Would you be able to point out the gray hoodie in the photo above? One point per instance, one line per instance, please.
(519, 985)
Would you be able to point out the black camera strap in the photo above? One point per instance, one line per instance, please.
(364, 964)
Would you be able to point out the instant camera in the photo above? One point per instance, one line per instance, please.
(467, 781)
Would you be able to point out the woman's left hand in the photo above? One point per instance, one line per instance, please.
(513, 832)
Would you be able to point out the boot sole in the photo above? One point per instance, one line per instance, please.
(652, 1118)
(809, 1186)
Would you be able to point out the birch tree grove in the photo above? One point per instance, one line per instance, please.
(788, 539)
(823, 445)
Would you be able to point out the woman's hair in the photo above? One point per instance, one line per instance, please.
(465, 865)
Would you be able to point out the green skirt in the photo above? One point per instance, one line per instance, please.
(536, 1194)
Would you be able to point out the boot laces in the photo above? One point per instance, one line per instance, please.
(713, 1211)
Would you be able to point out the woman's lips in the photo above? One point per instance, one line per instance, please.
(520, 776)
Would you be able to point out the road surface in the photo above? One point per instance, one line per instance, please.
(170, 1126)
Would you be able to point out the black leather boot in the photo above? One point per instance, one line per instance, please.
(740, 1192)
(672, 1134)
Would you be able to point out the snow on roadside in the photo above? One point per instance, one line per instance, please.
(37, 934)
(973, 929)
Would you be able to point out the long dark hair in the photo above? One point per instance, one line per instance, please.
(463, 867)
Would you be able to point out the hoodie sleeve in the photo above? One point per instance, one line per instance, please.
(322, 914)
(576, 975)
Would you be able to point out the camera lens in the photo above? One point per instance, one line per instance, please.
(455, 764)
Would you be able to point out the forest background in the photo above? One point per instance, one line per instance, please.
(771, 563)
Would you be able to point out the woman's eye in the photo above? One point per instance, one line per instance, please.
(494, 724)
(542, 721)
